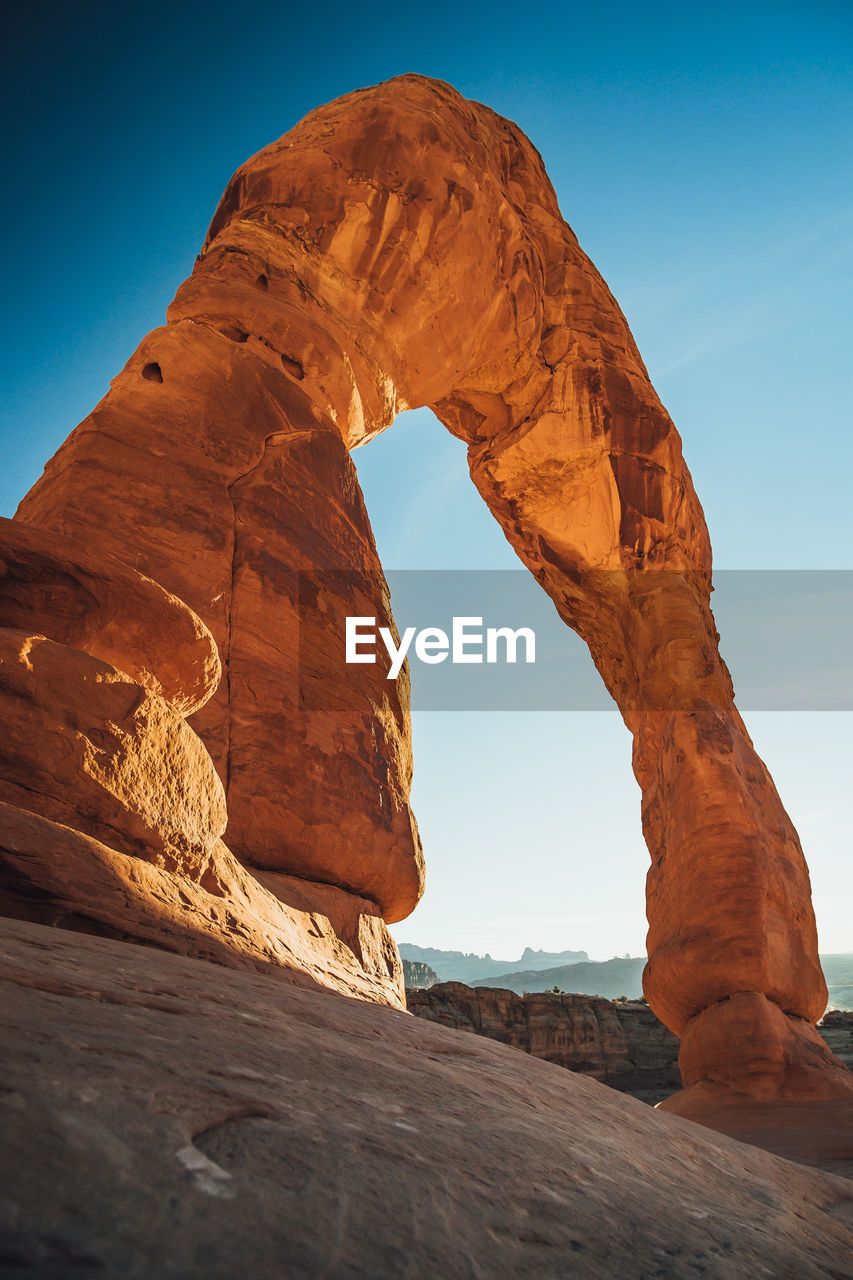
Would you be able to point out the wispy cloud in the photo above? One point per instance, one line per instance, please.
(727, 304)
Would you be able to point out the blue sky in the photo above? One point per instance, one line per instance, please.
(704, 160)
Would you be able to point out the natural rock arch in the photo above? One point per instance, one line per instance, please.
(404, 247)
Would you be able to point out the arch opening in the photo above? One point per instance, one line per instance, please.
(529, 819)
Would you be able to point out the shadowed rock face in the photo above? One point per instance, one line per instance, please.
(183, 1120)
(836, 1027)
(404, 247)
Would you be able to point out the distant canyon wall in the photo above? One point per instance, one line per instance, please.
(620, 1043)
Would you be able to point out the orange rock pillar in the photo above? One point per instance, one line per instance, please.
(404, 247)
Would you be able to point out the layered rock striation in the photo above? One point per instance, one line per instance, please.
(404, 247)
(620, 1043)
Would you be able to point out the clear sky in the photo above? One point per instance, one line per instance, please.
(704, 159)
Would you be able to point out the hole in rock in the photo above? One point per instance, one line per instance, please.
(152, 372)
(211, 883)
(293, 367)
(234, 333)
(263, 283)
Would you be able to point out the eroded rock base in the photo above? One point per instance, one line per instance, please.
(776, 1082)
(301, 932)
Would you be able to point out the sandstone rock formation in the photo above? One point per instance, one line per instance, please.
(620, 1043)
(111, 810)
(402, 246)
(183, 1120)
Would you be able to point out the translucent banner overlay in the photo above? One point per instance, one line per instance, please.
(785, 635)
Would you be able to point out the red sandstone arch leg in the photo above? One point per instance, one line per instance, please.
(401, 247)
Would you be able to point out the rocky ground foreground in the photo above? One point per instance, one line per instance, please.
(164, 1116)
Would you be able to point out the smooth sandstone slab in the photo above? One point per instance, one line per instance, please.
(817, 1131)
(165, 1116)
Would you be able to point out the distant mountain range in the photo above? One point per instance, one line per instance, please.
(608, 978)
(573, 971)
(464, 966)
